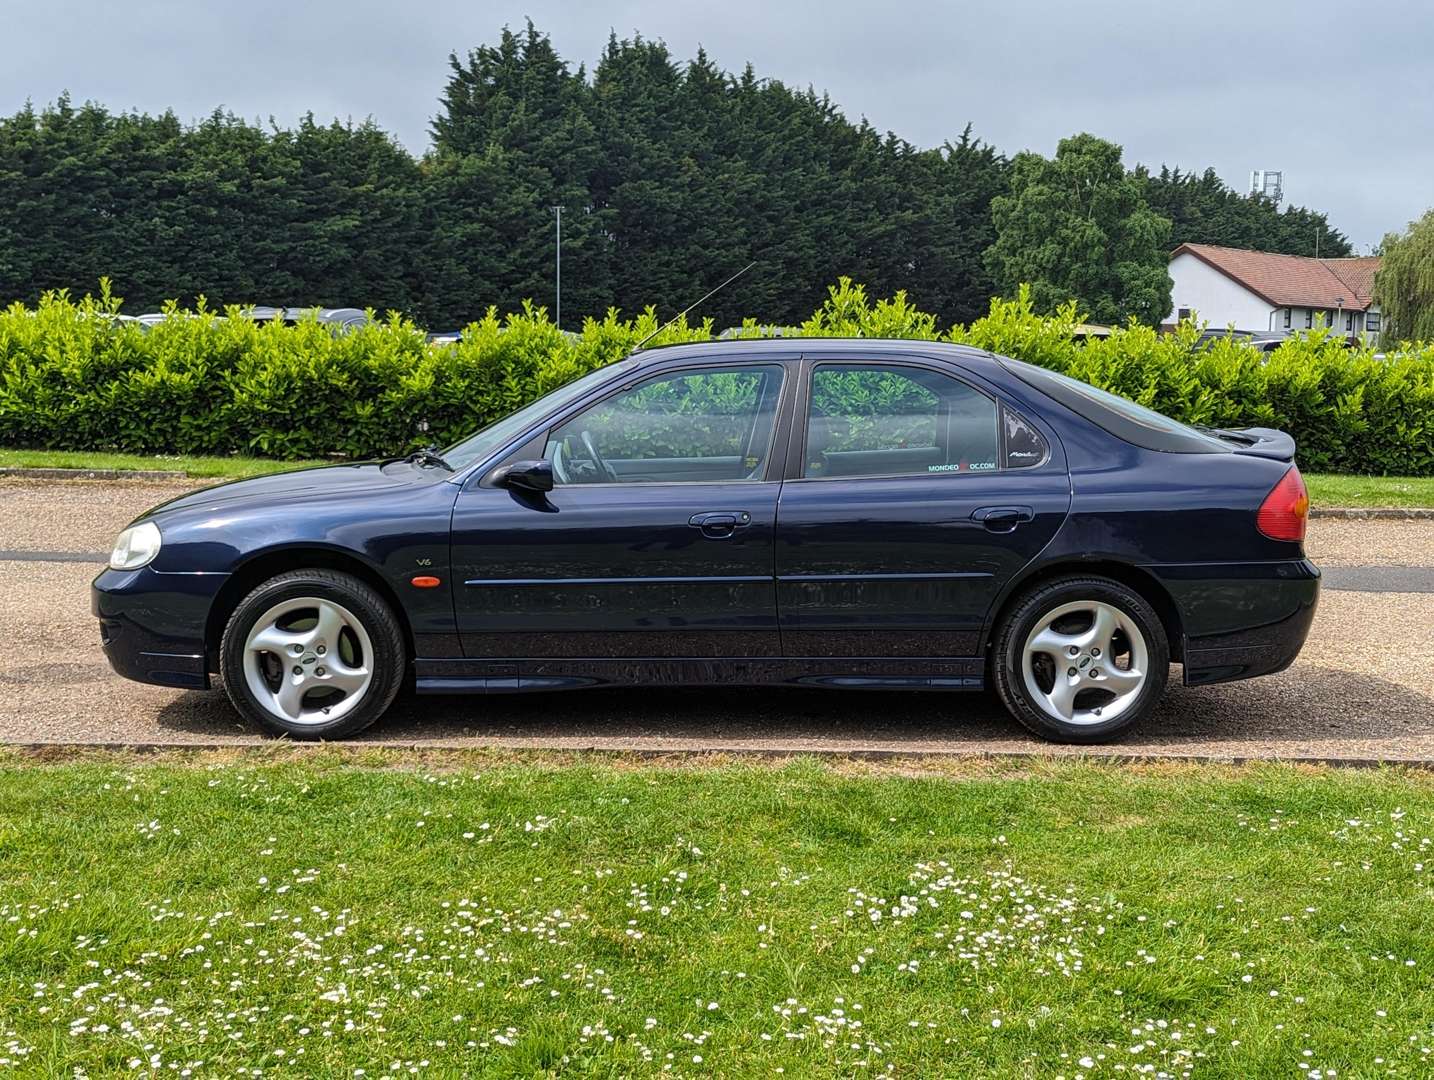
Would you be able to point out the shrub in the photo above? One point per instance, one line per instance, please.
(74, 377)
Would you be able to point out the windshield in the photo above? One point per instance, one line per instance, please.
(492, 438)
(1120, 416)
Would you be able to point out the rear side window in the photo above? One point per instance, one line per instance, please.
(1120, 416)
(891, 420)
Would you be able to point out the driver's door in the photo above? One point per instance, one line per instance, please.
(656, 540)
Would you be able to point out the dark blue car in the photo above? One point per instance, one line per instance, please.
(826, 513)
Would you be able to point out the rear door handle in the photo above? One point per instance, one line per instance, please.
(1001, 519)
(720, 524)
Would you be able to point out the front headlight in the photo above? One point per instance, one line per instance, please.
(137, 546)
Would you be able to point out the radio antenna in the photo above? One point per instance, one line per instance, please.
(689, 307)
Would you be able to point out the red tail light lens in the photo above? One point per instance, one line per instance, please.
(1286, 508)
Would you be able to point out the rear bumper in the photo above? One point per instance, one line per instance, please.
(1242, 620)
(152, 624)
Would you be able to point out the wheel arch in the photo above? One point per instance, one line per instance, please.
(1134, 577)
(262, 565)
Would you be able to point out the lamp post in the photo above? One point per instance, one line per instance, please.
(558, 269)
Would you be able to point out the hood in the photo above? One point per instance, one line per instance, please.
(305, 485)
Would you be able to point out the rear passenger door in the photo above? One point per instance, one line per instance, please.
(912, 497)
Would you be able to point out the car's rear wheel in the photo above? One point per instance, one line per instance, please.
(1080, 659)
(312, 654)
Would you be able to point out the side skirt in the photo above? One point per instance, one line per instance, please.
(842, 673)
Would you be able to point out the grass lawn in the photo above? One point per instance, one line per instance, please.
(196, 466)
(494, 916)
(1328, 489)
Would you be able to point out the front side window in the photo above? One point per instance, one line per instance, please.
(490, 439)
(692, 426)
(891, 420)
(1371, 322)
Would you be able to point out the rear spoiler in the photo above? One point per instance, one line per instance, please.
(1262, 442)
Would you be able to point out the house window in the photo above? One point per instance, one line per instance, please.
(1182, 314)
(1309, 318)
(1371, 321)
(1349, 322)
(1287, 318)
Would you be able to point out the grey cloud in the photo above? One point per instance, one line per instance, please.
(1336, 96)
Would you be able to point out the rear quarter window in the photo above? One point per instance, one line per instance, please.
(1119, 416)
(1023, 447)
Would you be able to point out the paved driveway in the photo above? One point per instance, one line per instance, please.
(1363, 688)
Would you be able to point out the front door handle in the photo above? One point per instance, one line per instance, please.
(1002, 519)
(720, 524)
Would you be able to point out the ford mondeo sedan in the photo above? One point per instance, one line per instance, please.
(848, 514)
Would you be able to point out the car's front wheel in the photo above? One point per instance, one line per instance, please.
(1080, 659)
(312, 654)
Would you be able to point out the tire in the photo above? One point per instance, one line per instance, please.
(312, 654)
(1032, 659)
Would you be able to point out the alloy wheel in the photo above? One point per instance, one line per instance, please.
(1085, 662)
(308, 660)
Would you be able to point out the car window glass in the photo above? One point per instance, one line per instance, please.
(1120, 416)
(691, 426)
(1025, 447)
(890, 420)
(491, 438)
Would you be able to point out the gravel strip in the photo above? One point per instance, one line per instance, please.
(1363, 690)
(1339, 542)
(79, 515)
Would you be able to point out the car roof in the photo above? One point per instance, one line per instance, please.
(789, 348)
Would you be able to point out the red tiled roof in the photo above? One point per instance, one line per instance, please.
(1358, 274)
(1293, 280)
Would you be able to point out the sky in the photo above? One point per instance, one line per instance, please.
(1338, 96)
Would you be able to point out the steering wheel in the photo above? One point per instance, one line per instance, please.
(597, 459)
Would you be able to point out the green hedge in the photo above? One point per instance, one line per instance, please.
(73, 378)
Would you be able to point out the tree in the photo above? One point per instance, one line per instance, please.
(673, 174)
(1404, 283)
(1203, 209)
(520, 100)
(1078, 227)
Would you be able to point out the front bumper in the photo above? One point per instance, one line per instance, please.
(1242, 620)
(152, 624)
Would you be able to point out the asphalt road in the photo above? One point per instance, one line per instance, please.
(1363, 688)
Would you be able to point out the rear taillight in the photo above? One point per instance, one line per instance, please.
(1286, 508)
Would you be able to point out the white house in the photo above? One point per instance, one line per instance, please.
(1260, 292)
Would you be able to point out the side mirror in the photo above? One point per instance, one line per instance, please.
(526, 476)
